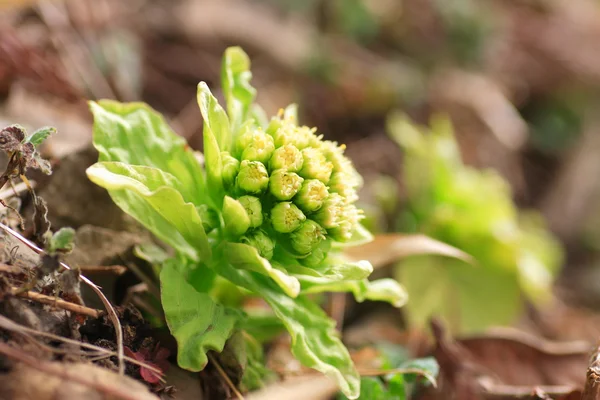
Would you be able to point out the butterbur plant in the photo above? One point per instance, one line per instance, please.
(472, 210)
(269, 210)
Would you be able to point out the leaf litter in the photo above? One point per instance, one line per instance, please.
(42, 307)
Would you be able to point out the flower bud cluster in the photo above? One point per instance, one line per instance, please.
(298, 190)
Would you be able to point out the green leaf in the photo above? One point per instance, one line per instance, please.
(62, 240)
(133, 133)
(235, 79)
(259, 115)
(468, 299)
(215, 133)
(333, 269)
(371, 388)
(244, 256)
(428, 367)
(387, 290)
(251, 357)
(195, 320)
(150, 253)
(153, 197)
(315, 342)
(262, 326)
(37, 137)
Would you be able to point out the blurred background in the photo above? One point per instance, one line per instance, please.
(472, 121)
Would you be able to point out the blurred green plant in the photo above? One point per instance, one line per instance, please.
(267, 214)
(402, 375)
(472, 210)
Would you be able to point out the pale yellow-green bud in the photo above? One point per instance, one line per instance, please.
(253, 177)
(284, 185)
(286, 157)
(331, 212)
(347, 220)
(307, 237)
(286, 217)
(315, 165)
(256, 145)
(342, 183)
(317, 255)
(231, 167)
(253, 209)
(261, 242)
(311, 196)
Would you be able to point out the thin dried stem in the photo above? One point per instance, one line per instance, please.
(103, 269)
(59, 303)
(225, 377)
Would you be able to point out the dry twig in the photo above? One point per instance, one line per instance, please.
(60, 303)
(225, 377)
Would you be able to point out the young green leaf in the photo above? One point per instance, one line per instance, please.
(235, 79)
(387, 290)
(216, 134)
(37, 137)
(244, 256)
(197, 322)
(153, 198)
(315, 342)
(133, 133)
(62, 240)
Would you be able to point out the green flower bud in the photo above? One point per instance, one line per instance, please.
(286, 217)
(209, 216)
(255, 145)
(254, 209)
(342, 183)
(284, 185)
(288, 133)
(235, 217)
(261, 241)
(330, 212)
(286, 157)
(315, 165)
(253, 177)
(348, 219)
(231, 167)
(335, 154)
(306, 238)
(318, 254)
(311, 196)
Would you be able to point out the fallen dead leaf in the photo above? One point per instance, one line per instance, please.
(53, 380)
(388, 248)
(506, 364)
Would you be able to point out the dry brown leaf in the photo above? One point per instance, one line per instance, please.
(314, 387)
(52, 380)
(506, 364)
(388, 248)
